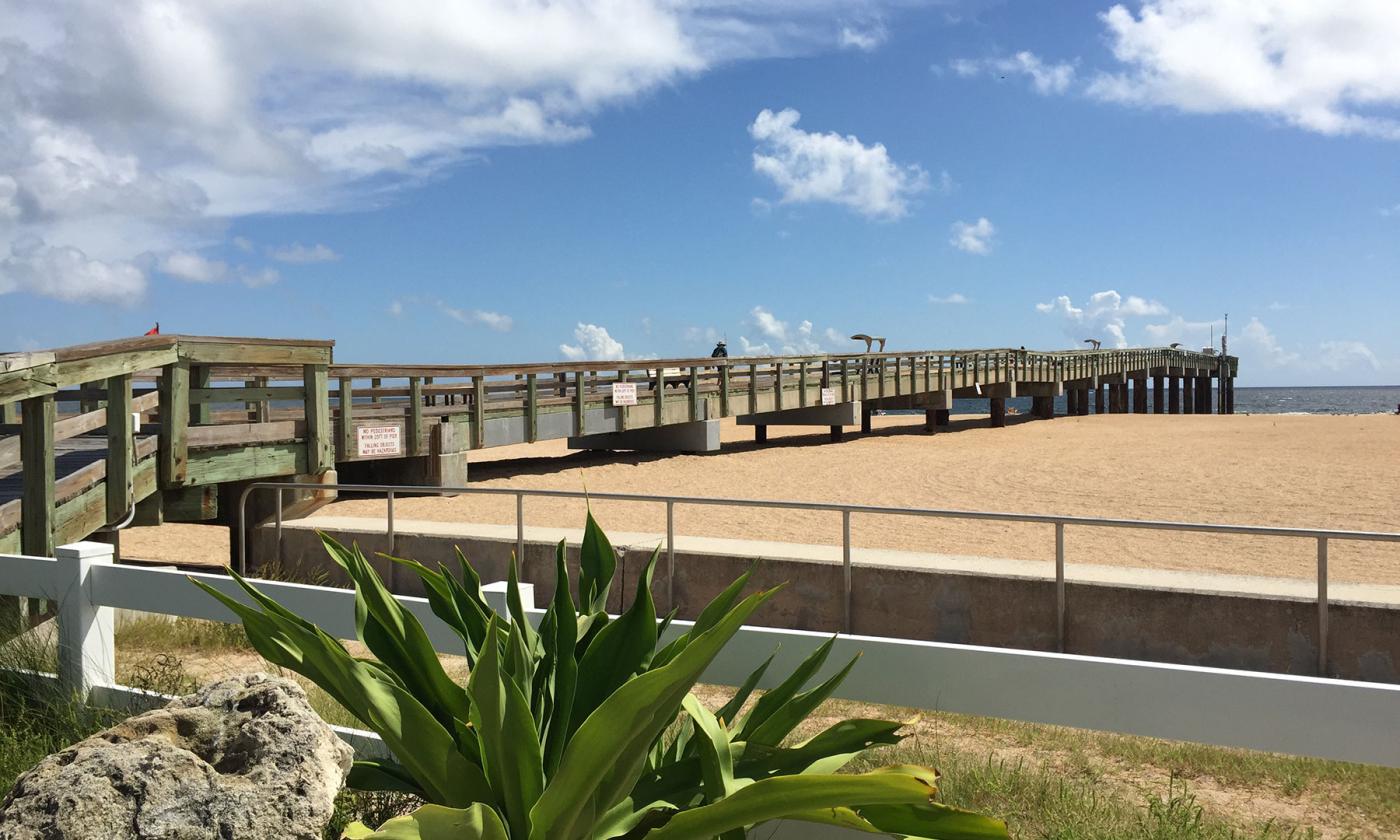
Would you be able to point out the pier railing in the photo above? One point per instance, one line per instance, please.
(1321, 537)
(1333, 719)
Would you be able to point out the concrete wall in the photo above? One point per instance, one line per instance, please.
(1258, 633)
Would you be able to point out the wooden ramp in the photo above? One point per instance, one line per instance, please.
(165, 422)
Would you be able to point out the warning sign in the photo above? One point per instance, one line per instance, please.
(624, 393)
(378, 440)
(828, 396)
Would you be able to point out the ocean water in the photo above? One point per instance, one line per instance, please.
(1373, 399)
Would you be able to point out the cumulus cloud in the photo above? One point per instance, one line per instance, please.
(1331, 68)
(1193, 335)
(863, 38)
(257, 278)
(1347, 355)
(779, 337)
(478, 317)
(147, 126)
(1046, 78)
(808, 166)
(594, 344)
(973, 237)
(298, 253)
(1104, 314)
(951, 299)
(192, 268)
(68, 274)
(395, 308)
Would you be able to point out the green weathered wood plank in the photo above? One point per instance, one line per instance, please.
(347, 417)
(200, 377)
(174, 423)
(232, 353)
(215, 466)
(415, 416)
(694, 388)
(478, 412)
(93, 368)
(724, 391)
(658, 398)
(22, 384)
(121, 447)
(532, 407)
(246, 394)
(37, 458)
(320, 442)
(802, 384)
(580, 401)
(778, 385)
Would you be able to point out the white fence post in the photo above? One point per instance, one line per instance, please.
(496, 592)
(86, 656)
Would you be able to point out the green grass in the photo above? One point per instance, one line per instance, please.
(187, 635)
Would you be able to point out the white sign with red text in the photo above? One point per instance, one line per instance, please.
(378, 440)
(624, 393)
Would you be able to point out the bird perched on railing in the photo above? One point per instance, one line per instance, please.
(869, 339)
(1093, 343)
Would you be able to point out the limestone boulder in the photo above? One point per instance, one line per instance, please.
(245, 757)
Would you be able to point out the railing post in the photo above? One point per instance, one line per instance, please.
(414, 417)
(86, 656)
(347, 418)
(316, 402)
(1322, 606)
(37, 460)
(174, 455)
(670, 554)
(1060, 586)
(520, 528)
(389, 520)
(120, 447)
(846, 570)
(278, 519)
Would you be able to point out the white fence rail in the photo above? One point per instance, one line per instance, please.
(1306, 716)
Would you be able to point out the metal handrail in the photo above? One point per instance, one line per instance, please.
(1321, 535)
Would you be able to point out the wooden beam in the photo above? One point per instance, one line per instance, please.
(247, 352)
(76, 371)
(245, 434)
(347, 417)
(121, 447)
(320, 444)
(174, 423)
(802, 384)
(36, 454)
(694, 388)
(580, 401)
(216, 466)
(532, 408)
(199, 381)
(724, 390)
(778, 385)
(415, 416)
(479, 411)
(247, 394)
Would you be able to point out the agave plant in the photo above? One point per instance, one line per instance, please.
(586, 728)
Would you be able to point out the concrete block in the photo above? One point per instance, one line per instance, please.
(699, 436)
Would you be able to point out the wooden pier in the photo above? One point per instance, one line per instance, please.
(159, 427)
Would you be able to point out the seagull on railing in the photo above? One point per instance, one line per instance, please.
(869, 339)
(1094, 342)
(1176, 345)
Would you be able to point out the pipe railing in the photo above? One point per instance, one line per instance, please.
(1321, 536)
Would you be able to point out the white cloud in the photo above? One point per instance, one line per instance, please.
(68, 274)
(1193, 335)
(1392, 210)
(783, 338)
(257, 278)
(243, 244)
(1276, 306)
(148, 126)
(474, 317)
(1045, 78)
(973, 237)
(594, 344)
(192, 268)
(810, 167)
(1331, 68)
(298, 253)
(1259, 344)
(1104, 314)
(1346, 355)
(952, 299)
(865, 39)
(395, 308)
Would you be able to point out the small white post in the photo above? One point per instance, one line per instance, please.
(86, 656)
(496, 595)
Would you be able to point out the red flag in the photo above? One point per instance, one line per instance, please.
(154, 330)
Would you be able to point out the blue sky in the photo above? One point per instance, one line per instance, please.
(642, 178)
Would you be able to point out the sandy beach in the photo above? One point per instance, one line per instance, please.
(1280, 470)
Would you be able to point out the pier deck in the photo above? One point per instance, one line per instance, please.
(160, 424)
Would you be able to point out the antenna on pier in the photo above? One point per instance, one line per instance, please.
(1225, 337)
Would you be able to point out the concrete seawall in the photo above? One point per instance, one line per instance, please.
(1262, 624)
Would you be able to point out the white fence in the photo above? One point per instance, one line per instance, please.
(1307, 716)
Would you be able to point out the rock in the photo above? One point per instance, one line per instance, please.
(244, 757)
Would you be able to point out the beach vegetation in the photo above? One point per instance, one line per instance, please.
(587, 726)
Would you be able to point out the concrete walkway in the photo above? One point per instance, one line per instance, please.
(1368, 594)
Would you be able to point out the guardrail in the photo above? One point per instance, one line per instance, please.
(1310, 716)
(1321, 536)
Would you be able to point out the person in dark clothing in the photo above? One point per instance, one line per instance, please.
(720, 351)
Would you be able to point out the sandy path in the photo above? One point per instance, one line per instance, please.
(1301, 471)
